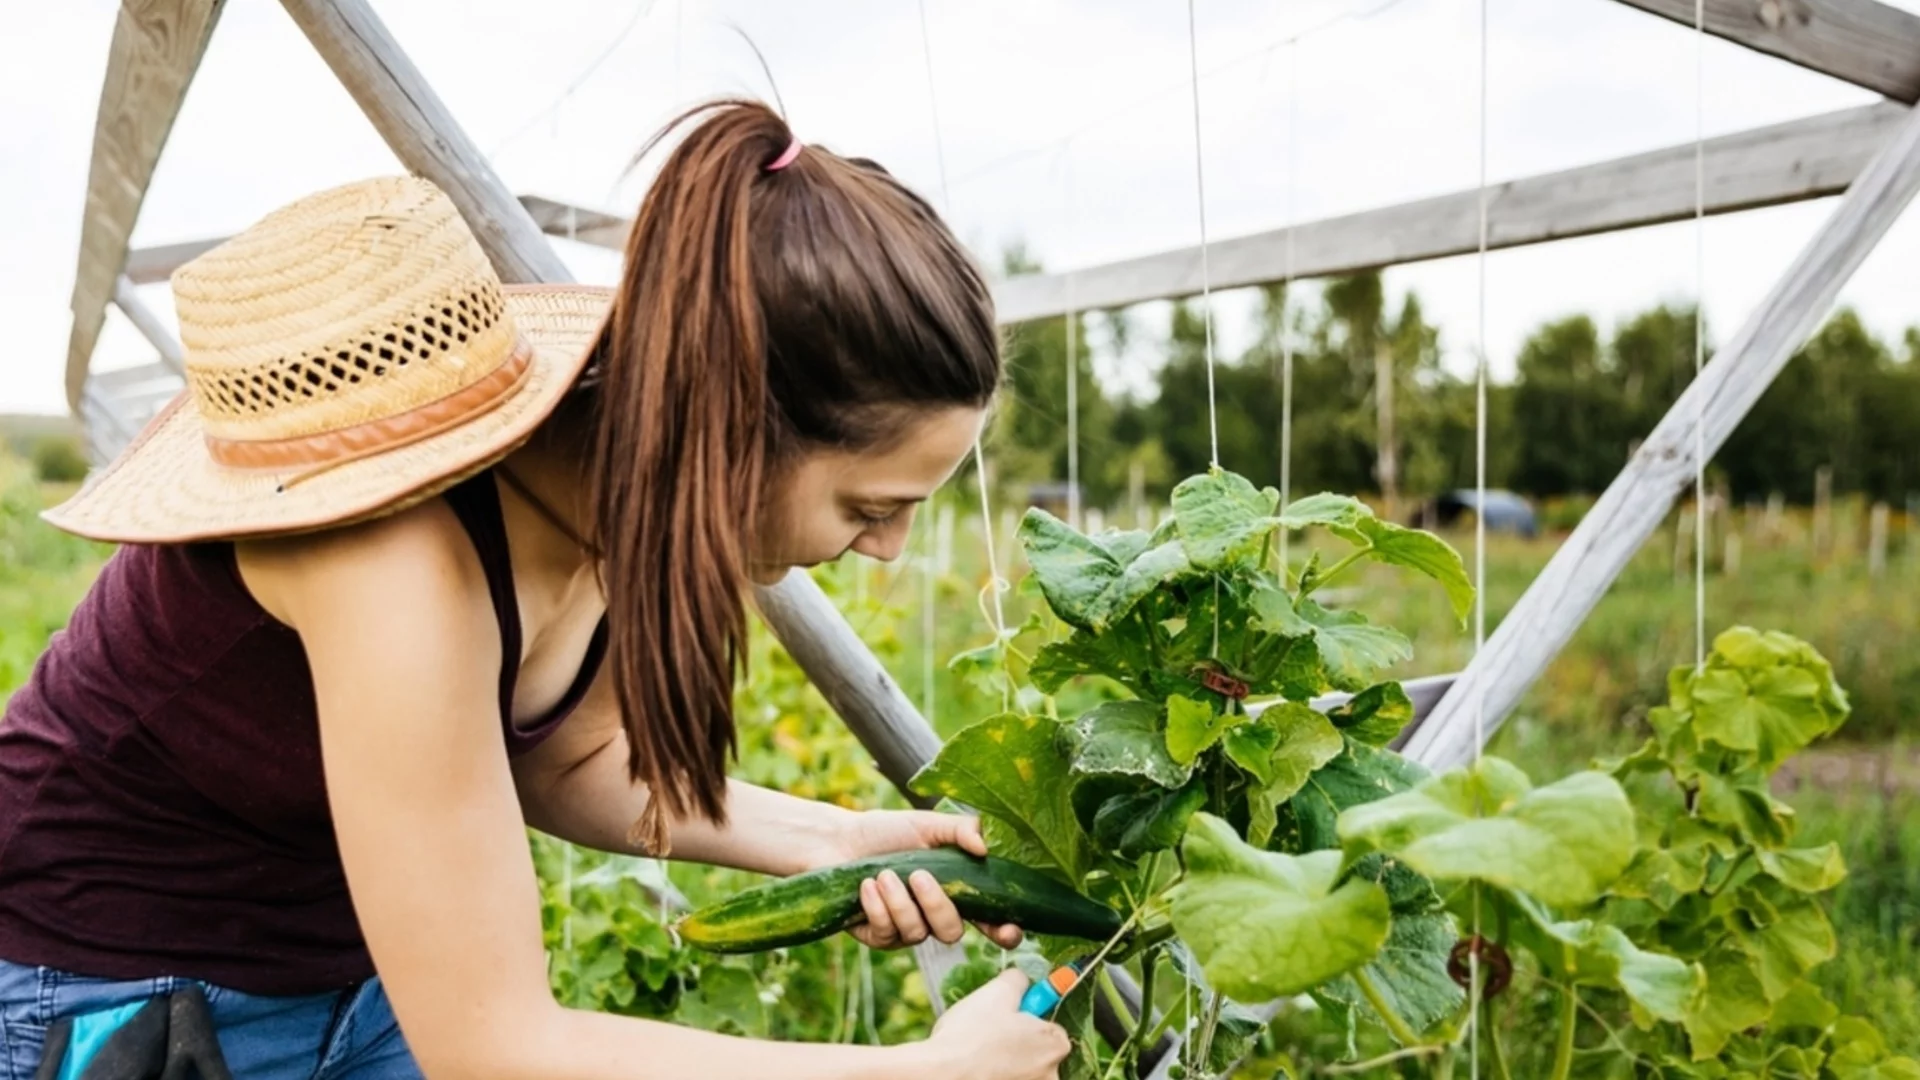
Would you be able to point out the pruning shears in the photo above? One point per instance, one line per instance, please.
(1044, 996)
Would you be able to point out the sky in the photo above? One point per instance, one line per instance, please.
(1064, 125)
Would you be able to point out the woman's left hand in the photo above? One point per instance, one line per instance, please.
(906, 912)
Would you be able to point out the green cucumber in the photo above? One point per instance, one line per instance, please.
(816, 905)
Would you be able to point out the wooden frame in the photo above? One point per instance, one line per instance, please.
(1869, 44)
(1801, 159)
(157, 45)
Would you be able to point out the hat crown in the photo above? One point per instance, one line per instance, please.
(354, 306)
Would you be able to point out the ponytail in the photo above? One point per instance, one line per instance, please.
(760, 312)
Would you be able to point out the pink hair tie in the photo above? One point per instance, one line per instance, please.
(786, 157)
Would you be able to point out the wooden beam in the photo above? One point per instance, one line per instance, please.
(156, 47)
(851, 679)
(423, 134)
(152, 265)
(1634, 505)
(594, 227)
(1864, 42)
(127, 298)
(1800, 159)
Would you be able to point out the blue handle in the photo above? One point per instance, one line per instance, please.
(1040, 999)
(1044, 996)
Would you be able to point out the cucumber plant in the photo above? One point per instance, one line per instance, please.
(1260, 849)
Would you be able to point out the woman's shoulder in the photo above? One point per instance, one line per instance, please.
(419, 554)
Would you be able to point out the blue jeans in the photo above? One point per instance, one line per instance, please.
(349, 1035)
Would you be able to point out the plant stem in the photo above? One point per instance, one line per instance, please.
(1215, 1006)
(1402, 1054)
(1563, 1049)
(1149, 963)
(1334, 570)
(1398, 1027)
(1146, 939)
(1497, 1051)
(1114, 999)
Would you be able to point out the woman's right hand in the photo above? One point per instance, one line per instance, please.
(985, 1036)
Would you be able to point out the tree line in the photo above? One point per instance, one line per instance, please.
(1376, 410)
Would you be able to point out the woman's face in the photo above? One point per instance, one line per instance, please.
(831, 502)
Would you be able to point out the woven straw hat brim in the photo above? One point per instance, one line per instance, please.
(165, 488)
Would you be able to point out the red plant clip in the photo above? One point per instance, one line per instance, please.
(1221, 683)
(1496, 967)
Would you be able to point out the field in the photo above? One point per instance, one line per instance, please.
(1785, 571)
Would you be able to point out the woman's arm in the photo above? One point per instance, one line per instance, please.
(576, 786)
(404, 654)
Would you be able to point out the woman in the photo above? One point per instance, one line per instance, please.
(373, 562)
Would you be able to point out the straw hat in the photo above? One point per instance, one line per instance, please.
(350, 355)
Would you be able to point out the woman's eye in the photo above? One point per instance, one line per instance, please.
(872, 521)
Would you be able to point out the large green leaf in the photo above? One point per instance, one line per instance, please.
(1360, 774)
(1860, 1053)
(1747, 810)
(1731, 1001)
(1280, 751)
(1123, 653)
(1354, 522)
(1092, 581)
(1337, 512)
(1193, 727)
(1563, 843)
(1411, 970)
(1272, 610)
(1224, 520)
(1298, 740)
(1423, 552)
(1807, 870)
(1353, 650)
(1663, 875)
(1011, 767)
(1795, 940)
(1123, 738)
(1803, 1006)
(1596, 954)
(1774, 712)
(1136, 824)
(1767, 693)
(1375, 715)
(1265, 925)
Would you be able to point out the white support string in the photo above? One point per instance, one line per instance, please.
(1699, 335)
(1200, 190)
(1213, 416)
(1479, 530)
(1131, 108)
(1073, 363)
(928, 568)
(933, 103)
(1286, 303)
(996, 611)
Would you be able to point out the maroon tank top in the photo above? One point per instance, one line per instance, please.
(162, 805)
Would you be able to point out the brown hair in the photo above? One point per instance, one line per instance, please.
(759, 314)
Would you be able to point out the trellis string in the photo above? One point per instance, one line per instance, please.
(1200, 191)
(1699, 336)
(1073, 360)
(1479, 532)
(996, 611)
(1286, 301)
